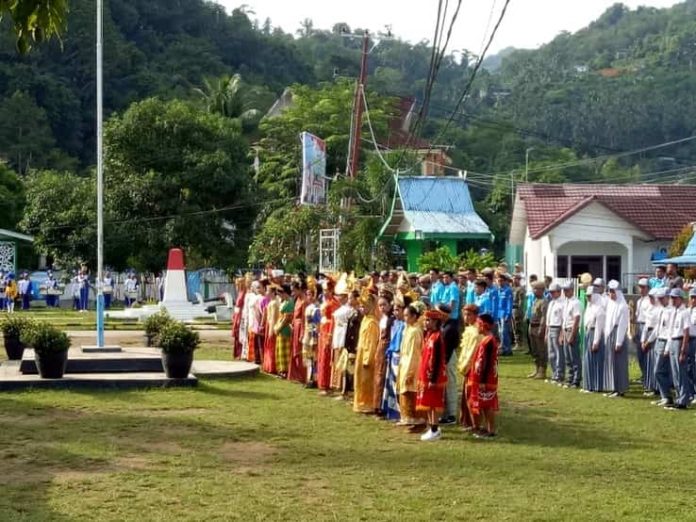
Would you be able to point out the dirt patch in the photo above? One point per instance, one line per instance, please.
(245, 456)
(173, 412)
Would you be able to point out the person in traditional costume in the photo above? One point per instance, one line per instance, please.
(297, 371)
(11, 293)
(593, 356)
(386, 321)
(249, 300)
(432, 373)
(270, 318)
(482, 380)
(646, 344)
(390, 397)
(310, 333)
(254, 319)
(368, 342)
(258, 328)
(411, 347)
(347, 359)
(283, 332)
(340, 329)
(325, 353)
(469, 343)
(615, 331)
(237, 331)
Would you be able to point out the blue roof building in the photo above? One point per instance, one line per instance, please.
(432, 209)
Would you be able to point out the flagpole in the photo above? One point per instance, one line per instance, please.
(100, 178)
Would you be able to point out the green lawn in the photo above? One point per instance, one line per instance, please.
(264, 449)
(73, 320)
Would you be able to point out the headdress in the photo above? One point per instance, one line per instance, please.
(342, 285)
(311, 283)
(437, 314)
(368, 298)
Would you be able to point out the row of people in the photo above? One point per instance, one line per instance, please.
(383, 349)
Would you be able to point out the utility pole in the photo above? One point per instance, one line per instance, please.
(358, 107)
(100, 178)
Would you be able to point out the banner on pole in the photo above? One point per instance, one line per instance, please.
(313, 170)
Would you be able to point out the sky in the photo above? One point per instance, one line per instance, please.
(527, 23)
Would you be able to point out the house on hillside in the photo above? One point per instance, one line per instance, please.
(611, 231)
(432, 211)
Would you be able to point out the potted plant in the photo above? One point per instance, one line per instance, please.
(13, 329)
(177, 342)
(153, 326)
(50, 349)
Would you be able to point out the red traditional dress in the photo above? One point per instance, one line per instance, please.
(269, 344)
(328, 307)
(432, 373)
(482, 379)
(297, 371)
(236, 323)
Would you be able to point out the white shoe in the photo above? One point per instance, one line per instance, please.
(431, 435)
(661, 402)
(583, 390)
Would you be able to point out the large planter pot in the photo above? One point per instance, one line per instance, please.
(14, 348)
(51, 365)
(177, 365)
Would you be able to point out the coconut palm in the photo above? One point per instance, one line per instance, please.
(230, 97)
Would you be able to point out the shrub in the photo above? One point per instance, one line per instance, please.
(155, 323)
(176, 337)
(45, 338)
(15, 325)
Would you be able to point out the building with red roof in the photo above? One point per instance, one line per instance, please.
(610, 231)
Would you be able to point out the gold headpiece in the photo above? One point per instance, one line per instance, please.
(311, 283)
(342, 285)
(368, 299)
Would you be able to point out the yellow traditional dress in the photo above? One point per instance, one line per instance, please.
(368, 341)
(407, 379)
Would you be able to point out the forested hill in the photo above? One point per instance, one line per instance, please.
(625, 81)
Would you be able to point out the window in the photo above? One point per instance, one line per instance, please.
(614, 268)
(562, 267)
(592, 264)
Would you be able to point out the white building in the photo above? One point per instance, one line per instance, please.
(610, 231)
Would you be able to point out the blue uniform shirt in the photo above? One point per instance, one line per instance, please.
(504, 302)
(451, 294)
(470, 293)
(655, 282)
(437, 294)
(484, 303)
(530, 303)
(492, 292)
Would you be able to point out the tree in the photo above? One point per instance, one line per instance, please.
(178, 176)
(229, 97)
(35, 20)
(61, 215)
(25, 136)
(12, 198)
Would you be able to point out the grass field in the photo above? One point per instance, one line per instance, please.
(264, 449)
(72, 320)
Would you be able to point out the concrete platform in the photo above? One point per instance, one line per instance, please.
(12, 379)
(131, 360)
(212, 369)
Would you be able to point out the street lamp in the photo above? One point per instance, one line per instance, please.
(526, 163)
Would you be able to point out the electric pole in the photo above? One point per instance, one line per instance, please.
(358, 106)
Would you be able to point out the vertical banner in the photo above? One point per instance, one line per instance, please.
(313, 170)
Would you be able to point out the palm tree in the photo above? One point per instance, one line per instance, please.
(231, 98)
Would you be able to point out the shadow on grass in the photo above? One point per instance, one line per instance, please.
(208, 387)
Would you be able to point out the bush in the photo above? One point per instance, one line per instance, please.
(45, 338)
(176, 337)
(15, 325)
(155, 323)
(477, 260)
(440, 258)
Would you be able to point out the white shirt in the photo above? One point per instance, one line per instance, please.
(642, 307)
(664, 323)
(652, 316)
(23, 286)
(340, 317)
(692, 328)
(595, 318)
(681, 322)
(554, 315)
(571, 310)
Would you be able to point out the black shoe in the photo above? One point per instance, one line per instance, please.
(311, 385)
(447, 420)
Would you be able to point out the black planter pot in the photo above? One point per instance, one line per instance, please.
(177, 365)
(14, 348)
(51, 365)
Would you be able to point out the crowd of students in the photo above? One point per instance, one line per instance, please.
(392, 343)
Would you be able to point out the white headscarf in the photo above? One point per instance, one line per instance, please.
(617, 312)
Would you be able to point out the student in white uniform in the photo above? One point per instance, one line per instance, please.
(663, 334)
(554, 327)
(678, 350)
(571, 331)
(642, 306)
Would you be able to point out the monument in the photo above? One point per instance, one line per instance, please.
(175, 301)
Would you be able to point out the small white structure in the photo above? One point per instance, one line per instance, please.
(611, 231)
(175, 299)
